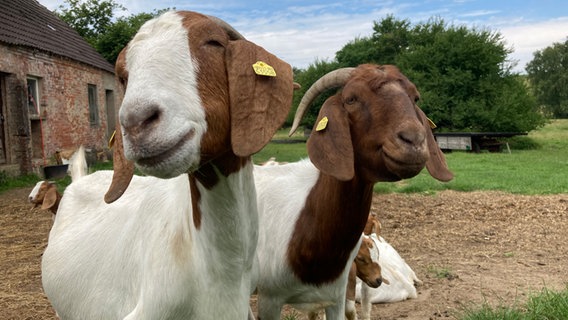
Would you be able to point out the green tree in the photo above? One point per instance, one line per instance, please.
(95, 21)
(548, 77)
(306, 78)
(119, 33)
(463, 74)
(90, 18)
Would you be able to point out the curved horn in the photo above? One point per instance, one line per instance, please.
(333, 79)
(123, 169)
(233, 34)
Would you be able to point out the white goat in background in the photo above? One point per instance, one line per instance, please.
(181, 248)
(312, 215)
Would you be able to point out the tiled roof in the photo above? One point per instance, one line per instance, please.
(27, 23)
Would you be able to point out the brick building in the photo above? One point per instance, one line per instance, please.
(56, 91)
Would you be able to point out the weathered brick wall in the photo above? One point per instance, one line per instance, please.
(63, 101)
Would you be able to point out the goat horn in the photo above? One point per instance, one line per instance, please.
(123, 169)
(333, 79)
(233, 34)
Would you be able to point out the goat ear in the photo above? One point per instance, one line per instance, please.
(50, 198)
(436, 163)
(329, 146)
(259, 103)
(123, 169)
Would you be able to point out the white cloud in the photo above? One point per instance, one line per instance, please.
(527, 38)
(300, 33)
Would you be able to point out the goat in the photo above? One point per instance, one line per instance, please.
(312, 212)
(45, 193)
(402, 278)
(194, 111)
(366, 269)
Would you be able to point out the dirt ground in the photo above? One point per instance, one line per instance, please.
(466, 247)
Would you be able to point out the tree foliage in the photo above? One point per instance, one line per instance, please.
(463, 74)
(95, 21)
(306, 78)
(89, 18)
(548, 76)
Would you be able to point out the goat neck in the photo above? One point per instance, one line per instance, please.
(329, 204)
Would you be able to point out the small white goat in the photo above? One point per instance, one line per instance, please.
(312, 217)
(182, 248)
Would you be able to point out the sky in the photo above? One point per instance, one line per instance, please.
(301, 32)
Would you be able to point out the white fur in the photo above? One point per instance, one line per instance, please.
(35, 189)
(162, 73)
(278, 212)
(77, 165)
(142, 257)
(393, 268)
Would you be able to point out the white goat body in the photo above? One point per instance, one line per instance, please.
(147, 260)
(182, 248)
(401, 277)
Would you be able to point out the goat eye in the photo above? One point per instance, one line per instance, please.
(351, 100)
(214, 43)
(416, 99)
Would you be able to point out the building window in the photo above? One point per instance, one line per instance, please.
(33, 102)
(93, 107)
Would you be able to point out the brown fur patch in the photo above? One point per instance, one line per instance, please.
(321, 235)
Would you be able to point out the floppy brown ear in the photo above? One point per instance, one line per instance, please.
(123, 169)
(50, 198)
(436, 163)
(330, 149)
(259, 103)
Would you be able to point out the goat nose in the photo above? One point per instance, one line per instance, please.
(411, 136)
(141, 120)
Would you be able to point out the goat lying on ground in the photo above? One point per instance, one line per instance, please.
(45, 192)
(313, 215)
(172, 249)
(402, 279)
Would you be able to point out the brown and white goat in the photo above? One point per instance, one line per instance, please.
(312, 213)
(181, 248)
(45, 193)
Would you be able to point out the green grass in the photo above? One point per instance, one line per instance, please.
(544, 305)
(8, 182)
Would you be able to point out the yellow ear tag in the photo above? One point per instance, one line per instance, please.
(322, 124)
(111, 140)
(263, 69)
(432, 124)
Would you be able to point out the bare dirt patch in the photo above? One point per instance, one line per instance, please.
(466, 247)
